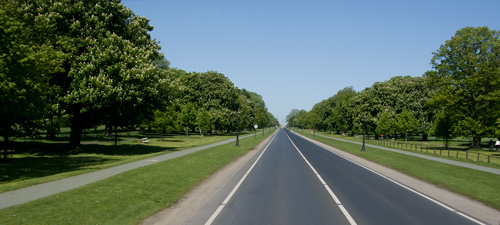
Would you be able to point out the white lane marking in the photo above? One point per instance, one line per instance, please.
(408, 188)
(221, 206)
(337, 201)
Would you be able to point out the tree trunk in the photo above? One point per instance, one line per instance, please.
(6, 142)
(476, 142)
(75, 136)
(425, 137)
(116, 136)
(107, 132)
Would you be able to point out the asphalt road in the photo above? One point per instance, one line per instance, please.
(297, 182)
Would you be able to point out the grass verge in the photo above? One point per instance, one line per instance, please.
(130, 197)
(478, 185)
(44, 162)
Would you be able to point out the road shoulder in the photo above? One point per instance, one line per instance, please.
(199, 204)
(456, 201)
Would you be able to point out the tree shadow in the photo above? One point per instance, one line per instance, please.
(124, 149)
(35, 159)
(33, 167)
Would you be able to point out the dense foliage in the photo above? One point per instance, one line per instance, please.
(87, 63)
(460, 97)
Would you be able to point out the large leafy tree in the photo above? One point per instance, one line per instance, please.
(324, 110)
(342, 112)
(468, 73)
(215, 93)
(27, 58)
(111, 76)
(187, 117)
(406, 123)
(291, 118)
(387, 123)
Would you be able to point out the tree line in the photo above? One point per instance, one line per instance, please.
(460, 97)
(81, 64)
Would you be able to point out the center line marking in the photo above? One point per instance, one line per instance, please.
(221, 206)
(337, 201)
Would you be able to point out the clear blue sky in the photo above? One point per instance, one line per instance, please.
(297, 53)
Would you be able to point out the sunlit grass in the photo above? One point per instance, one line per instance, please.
(40, 162)
(473, 156)
(475, 184)
(132, 196)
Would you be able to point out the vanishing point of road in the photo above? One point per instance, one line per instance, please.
(297, 182)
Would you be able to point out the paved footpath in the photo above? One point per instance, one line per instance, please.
(437, 159)
(24, 195)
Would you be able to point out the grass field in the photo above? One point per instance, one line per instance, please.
(458, 151)
(38, 161)
(132, 196)
(478, 185)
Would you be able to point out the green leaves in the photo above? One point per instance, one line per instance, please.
(468, 74)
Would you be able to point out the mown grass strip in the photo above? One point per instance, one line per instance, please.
(478, 185)
(39, 166)
(132, 196)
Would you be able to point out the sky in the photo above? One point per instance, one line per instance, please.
(298, 53)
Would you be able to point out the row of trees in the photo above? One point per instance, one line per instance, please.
(87, 63)
(460, 97)
(210, 101)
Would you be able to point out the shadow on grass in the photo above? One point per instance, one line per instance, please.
(34, 159)
(123, 149)
(34, 167)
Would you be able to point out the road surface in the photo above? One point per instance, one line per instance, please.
(297, 182)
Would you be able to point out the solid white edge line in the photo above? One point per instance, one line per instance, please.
(337, 201)
(221, 206)
(408, 188)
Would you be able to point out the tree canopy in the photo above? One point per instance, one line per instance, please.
(468, 74)
(87, 63)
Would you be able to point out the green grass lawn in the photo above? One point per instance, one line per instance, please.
(482, 157)
(132, 196)
(40, 161)
(478, 185)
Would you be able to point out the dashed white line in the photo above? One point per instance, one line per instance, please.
(221, 206)
(408, 188)
(337, 201)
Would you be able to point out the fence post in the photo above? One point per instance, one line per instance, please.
(478, 157)
(466, 154)
(457, 154)
(488, 158)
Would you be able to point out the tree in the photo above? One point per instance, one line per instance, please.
(215, 93)
(92, 60)
(342, 112)
(324, 110)
(26, 61)
(468, 73)
(442, 126)
(386, 123)
(291, 118)
(161, 121)
(187, 116)
(203, 121)
(406, 123)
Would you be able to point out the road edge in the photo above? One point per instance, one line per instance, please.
(459, 202)
(189, 210)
